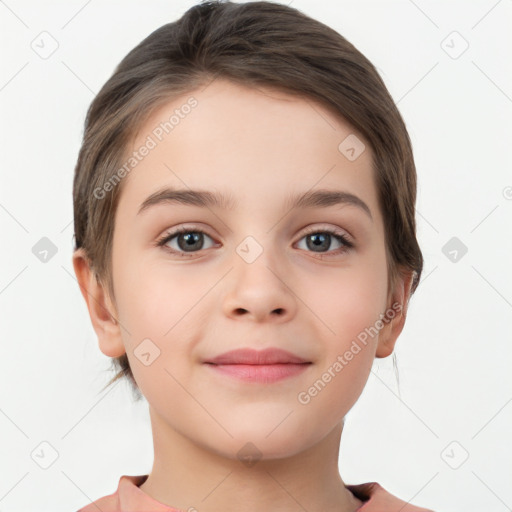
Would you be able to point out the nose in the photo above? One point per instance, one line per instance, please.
(259, 291)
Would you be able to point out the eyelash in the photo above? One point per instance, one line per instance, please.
(185, 229)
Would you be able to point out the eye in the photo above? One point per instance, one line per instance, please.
(185, 241)
(319, 239)
(188, 240)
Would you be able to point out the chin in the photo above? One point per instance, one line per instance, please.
(252, 445)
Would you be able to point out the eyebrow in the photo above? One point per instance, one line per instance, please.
(321, 198)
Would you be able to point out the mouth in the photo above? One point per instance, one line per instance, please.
(266, 366)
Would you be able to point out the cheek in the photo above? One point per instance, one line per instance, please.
(347, 300)
(348, 304)
(329, 396)
(348, 314)
(154, 297)
(161, 304)
(160, 324)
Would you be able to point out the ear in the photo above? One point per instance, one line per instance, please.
(392, 329)
(101, 309)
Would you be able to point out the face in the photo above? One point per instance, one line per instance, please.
(257, 272)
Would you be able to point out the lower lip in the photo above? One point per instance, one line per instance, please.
(260, 372)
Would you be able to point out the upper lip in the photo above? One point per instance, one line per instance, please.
(251, 356)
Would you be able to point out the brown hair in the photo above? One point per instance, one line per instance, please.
(254, 44)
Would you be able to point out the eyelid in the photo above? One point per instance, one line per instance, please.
(346, 239)
(315, 228)
(183, 228)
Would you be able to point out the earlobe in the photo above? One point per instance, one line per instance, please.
(101, 310)
(388, 335)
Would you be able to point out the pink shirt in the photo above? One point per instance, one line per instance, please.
(129, 498)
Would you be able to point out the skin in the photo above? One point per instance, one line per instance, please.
(257, 146)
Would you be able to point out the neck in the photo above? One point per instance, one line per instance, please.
(187, 476)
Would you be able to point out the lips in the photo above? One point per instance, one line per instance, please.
(258, 366)
(247, 356)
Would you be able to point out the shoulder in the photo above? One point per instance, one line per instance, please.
(105, 504)
(127, 497)
(377, 499)
(114, 502)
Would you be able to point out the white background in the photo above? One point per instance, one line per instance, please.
(455, 353)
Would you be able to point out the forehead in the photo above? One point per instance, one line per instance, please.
(254, 144)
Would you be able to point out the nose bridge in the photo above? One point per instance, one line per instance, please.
(258, 285)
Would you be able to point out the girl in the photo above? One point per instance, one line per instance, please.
(268, 141)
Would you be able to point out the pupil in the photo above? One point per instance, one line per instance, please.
(190, 240)
(319, 240)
